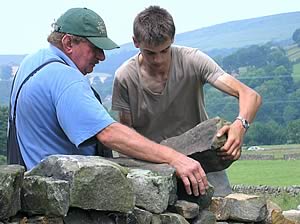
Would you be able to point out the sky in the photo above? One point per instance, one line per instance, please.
(25, 25)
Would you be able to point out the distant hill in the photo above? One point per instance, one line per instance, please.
(241, 33)
(214, 40)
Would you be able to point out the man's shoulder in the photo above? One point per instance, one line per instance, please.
(129, 67)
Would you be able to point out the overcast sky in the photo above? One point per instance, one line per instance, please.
(26, 24)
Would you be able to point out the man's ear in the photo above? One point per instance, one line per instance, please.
(136, 44)
(66, 42)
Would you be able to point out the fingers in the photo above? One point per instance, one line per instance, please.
(196, 183)
(223, 130)
(232, 148)
(191, 174)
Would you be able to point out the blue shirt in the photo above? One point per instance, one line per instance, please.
(56, 109)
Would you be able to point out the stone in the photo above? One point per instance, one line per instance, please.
(220, 182)
(80, 216)
(202, 144)
(162, 170)
(11, 180)
(45, 195)
(239, 208)
(271, 207)
(95, 183)
(220, 208)
(172, 218)
(152, 190)
(206, 217)
(143, 216)
(254, 205)
(293, 215)
(187, 209)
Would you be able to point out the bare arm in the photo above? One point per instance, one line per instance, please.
(249, 103)
(127, 141)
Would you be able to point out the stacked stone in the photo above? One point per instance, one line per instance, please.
(81, 189)
(65, 189)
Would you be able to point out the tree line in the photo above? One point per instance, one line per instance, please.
(268, 70)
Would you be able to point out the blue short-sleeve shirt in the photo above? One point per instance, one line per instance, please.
(56, 109)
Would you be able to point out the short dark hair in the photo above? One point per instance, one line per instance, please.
(153, 26)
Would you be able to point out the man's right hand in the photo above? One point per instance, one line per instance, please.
(191, 174)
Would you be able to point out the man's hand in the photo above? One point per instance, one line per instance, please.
(191, 174)
(232, 147)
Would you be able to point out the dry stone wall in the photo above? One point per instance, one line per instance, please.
(87, 189)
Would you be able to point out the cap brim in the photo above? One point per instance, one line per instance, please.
(103, 42)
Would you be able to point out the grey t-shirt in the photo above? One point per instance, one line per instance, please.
(179, 107)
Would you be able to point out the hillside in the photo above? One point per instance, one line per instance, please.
(293, 52)
(222, 38)
(241, 33)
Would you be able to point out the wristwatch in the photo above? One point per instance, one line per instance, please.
(245, 123)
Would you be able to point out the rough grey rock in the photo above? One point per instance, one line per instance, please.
(37, 219)
(45, 195)
(220, 182)
(172, 218)
(254, 205)
(80, 216)
(187, 209)
(142, 216)
(162, 170)
(201, 144)
(151, 190)
(11, 180)
(206, 217)
(93, 181)
(293, 215)
(233, 208)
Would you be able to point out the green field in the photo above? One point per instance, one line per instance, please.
(293, 52)
(276, 173)
(296, 72)
(265, 172)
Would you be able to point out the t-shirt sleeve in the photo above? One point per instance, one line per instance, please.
(120, 97)
(206, 68)
(80, 114)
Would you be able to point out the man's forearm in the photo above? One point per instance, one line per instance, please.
(127, 141)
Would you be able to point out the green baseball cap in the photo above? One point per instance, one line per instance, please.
(85, 23)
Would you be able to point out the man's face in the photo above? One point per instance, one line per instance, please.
(85, 55)
(156, 57)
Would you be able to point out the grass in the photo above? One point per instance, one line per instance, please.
(276, 150)
(293, 52)
(296, 72)
(286, 201)
(270, 172)
(265, 172)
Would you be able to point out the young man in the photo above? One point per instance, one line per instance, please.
(159, 91)
(58, 113)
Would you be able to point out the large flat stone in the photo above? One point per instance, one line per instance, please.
(11, 180)
(95, 183)
(202, 144)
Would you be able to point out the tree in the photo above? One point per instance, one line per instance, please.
(3, 129)
(293, 134)
(296, 36)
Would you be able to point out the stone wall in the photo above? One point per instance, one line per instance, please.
(89, 189)
(293, 191)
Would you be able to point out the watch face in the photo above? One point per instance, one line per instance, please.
(245, 123)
